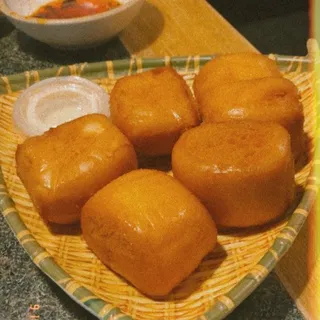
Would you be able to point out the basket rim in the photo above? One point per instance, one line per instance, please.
(96, 306)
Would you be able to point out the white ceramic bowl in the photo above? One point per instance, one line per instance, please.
(76, 32)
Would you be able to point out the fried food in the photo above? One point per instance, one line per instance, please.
(65, 166)
(149, 228)
(231, 68)
(267, 99)
(242, 171)
(153, 109)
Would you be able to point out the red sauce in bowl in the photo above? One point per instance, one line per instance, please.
(67, 9)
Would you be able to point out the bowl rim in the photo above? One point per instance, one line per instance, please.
(43, 21)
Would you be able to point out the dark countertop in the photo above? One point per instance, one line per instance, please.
(21, 283)
(19, 52)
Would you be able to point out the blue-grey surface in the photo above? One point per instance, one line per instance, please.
(21, 283)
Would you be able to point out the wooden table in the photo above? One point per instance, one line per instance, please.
(193, 27)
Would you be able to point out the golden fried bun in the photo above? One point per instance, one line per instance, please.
(65, 166)
(233, 67)
(149, 228)
(242, 171)
(267, 99)
(152, 109)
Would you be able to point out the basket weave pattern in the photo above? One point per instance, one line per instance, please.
(235, 257)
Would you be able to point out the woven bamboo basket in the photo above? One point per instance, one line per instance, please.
(223, 279)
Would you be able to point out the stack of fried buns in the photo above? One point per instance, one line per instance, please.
(235, 169)
(249, 86)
